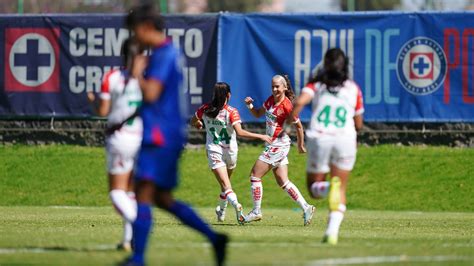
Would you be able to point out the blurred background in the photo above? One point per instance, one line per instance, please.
(204, 6)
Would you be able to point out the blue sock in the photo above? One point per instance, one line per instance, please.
(184, 213)
(141, 230)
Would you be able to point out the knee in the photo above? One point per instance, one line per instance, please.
(163, 201)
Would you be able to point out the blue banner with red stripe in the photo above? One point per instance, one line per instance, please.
(411, 67)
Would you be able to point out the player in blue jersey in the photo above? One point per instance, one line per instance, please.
(164, 134)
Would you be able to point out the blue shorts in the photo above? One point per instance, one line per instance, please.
(159, 165)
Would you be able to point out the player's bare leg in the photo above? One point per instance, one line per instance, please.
(337, 203)
(124, 202)
(281, 176)
(222, 175)
(259, 169)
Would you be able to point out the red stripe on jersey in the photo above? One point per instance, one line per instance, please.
(312, 86)
(105, 88)
(233, 113)
(360, 99)
(157, 136)
(200, 111)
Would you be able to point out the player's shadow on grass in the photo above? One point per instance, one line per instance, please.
(37, 249)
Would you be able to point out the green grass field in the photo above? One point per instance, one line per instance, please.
(407, 205)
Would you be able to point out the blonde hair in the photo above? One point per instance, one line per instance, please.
(285, 80)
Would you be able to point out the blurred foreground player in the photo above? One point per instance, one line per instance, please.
(332, 138)
(164, 134)
(120, 97)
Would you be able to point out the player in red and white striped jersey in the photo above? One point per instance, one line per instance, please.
(277, 109)
(332, 138)
(223, 124)
(120, 97)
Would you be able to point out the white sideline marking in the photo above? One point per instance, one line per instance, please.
(385, 259)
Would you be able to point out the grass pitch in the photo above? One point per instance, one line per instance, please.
(420, 201)
(86, 236)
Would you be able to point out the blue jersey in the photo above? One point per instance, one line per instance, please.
(163, 120)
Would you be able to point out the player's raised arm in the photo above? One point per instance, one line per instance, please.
(257, 112)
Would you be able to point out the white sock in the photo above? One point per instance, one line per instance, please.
(127, 231)
(124, 205)
(320, 190)
(231, 197)
(257, 192)
(295, 194)
(335, 220)
(222, 201)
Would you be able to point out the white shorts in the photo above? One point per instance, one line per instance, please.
(326, 151)
(220, 159)
(121, 151)
(275, 155)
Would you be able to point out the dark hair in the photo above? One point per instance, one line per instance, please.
(130, 48)
(145, 13)
(335, 70)
(289, 92)
(221, 91)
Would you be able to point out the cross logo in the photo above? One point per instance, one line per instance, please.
(421, 65)
(31, 60)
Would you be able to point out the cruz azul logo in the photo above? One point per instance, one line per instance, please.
(31, 60)
(421, 66)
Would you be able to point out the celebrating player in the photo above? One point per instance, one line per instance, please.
(164, 133)
(332, 137)
(119, 98)
(222, 123)
(276, 109)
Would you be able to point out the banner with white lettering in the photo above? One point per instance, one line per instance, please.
(411, 67)
(49, 62)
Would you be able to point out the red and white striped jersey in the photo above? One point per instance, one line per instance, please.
(276, 116)
(220, 131)
(125, 99)
(333, 113)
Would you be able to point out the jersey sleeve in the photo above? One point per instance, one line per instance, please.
(106, 86)
(288, 109)
(268, 103)
(359, 108)
(200, 111)
(234, 116)
(160, 68)
(310, 89)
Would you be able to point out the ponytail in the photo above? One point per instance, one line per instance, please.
(221, 92)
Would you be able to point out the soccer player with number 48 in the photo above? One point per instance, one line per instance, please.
(222, 124)
(332, 138)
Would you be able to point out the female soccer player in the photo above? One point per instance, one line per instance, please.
(119, 98)
(277, 109)
(332, 137)
(164, 134)
(222, 125)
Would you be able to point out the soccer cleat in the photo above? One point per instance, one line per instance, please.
(335, 194)
(125, 246)
(331, 239)
(129, 262)
(220, 214)
(220, 248)
(253, 216)
(240, 214)
(308, 214)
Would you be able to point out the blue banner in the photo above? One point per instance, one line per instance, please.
(411, 67)
(49, 62)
